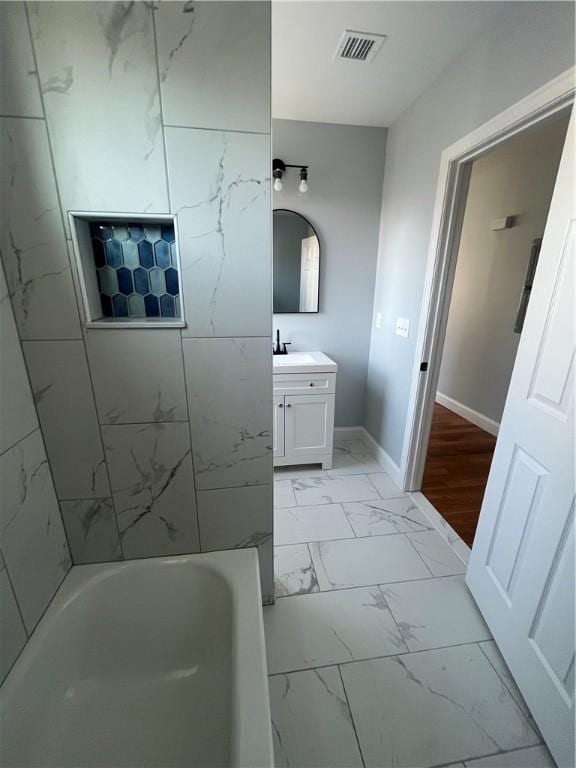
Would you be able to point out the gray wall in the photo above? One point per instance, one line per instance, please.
(529, 44)
(516, 179)
(343, 204)
(159, 440)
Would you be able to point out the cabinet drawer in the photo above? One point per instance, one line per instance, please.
(300, 383)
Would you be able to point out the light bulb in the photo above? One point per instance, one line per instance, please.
(303, 186)
(277, 185)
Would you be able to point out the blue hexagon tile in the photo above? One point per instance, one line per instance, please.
(137, 269)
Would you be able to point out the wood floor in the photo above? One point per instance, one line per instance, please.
(457, 466)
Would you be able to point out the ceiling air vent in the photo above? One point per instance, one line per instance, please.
(359, 46)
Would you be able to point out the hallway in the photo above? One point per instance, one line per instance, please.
(456, 472)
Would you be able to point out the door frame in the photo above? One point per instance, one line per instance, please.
(453, 179)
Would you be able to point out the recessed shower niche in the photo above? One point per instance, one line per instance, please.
(129, 268)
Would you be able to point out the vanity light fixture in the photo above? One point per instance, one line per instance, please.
(279, 169)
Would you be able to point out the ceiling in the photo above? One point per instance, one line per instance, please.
(423, 38)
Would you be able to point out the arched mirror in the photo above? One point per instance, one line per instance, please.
(296, 263)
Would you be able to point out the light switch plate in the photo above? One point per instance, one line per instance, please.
(378, 319)
(402, 327)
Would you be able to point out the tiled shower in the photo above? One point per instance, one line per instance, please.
(157, 428)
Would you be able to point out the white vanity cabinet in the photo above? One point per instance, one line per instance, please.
(304, 391)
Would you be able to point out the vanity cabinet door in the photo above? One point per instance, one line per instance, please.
(309, 421)
(278, 428)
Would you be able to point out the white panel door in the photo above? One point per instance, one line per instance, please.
(309, 420)
(521, 571)
(278, 427)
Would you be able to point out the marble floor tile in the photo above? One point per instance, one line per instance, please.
(311, 721)
(385, 486)
(283, 494)
(294, 572)
(437, 553)
(533, 757)
(347, 463)
(328, 628)
(333, 490)
(444, 528)
(432, 708)
(371, 560)
(298, 525)
(384, 516)
(351, 445)
(435, 613)
(490, 650)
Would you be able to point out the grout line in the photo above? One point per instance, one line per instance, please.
(21, 439)
(21, 117)
(381, 585)
(45, 118)
(141, 423)
(161, 107)
(505, 684)
(11, 583)
(45, 341)
(196, 490)
(468, 760)
(354, 538)
(102, 445)
(215, 130)
(375, 658)
(351, 716)
(419, 555)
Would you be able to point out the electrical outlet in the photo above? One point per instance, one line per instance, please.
(402, 327)
(378, 319)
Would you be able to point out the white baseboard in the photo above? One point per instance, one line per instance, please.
(488, 425)
(389, 465)
(349, 433)
(360, 433)
(442, 526)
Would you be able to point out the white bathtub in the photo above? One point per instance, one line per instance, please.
(157, 662)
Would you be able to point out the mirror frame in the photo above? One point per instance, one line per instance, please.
(307, 220)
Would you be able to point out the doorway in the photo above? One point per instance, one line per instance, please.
(508, 195)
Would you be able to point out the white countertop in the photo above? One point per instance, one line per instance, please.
(304, 362)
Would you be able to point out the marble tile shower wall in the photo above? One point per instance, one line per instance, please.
(158, 440)
(34, 554)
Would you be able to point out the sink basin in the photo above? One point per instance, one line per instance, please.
(295, 358)
(304, 362)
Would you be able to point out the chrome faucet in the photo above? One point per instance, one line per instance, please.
(280, 348)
